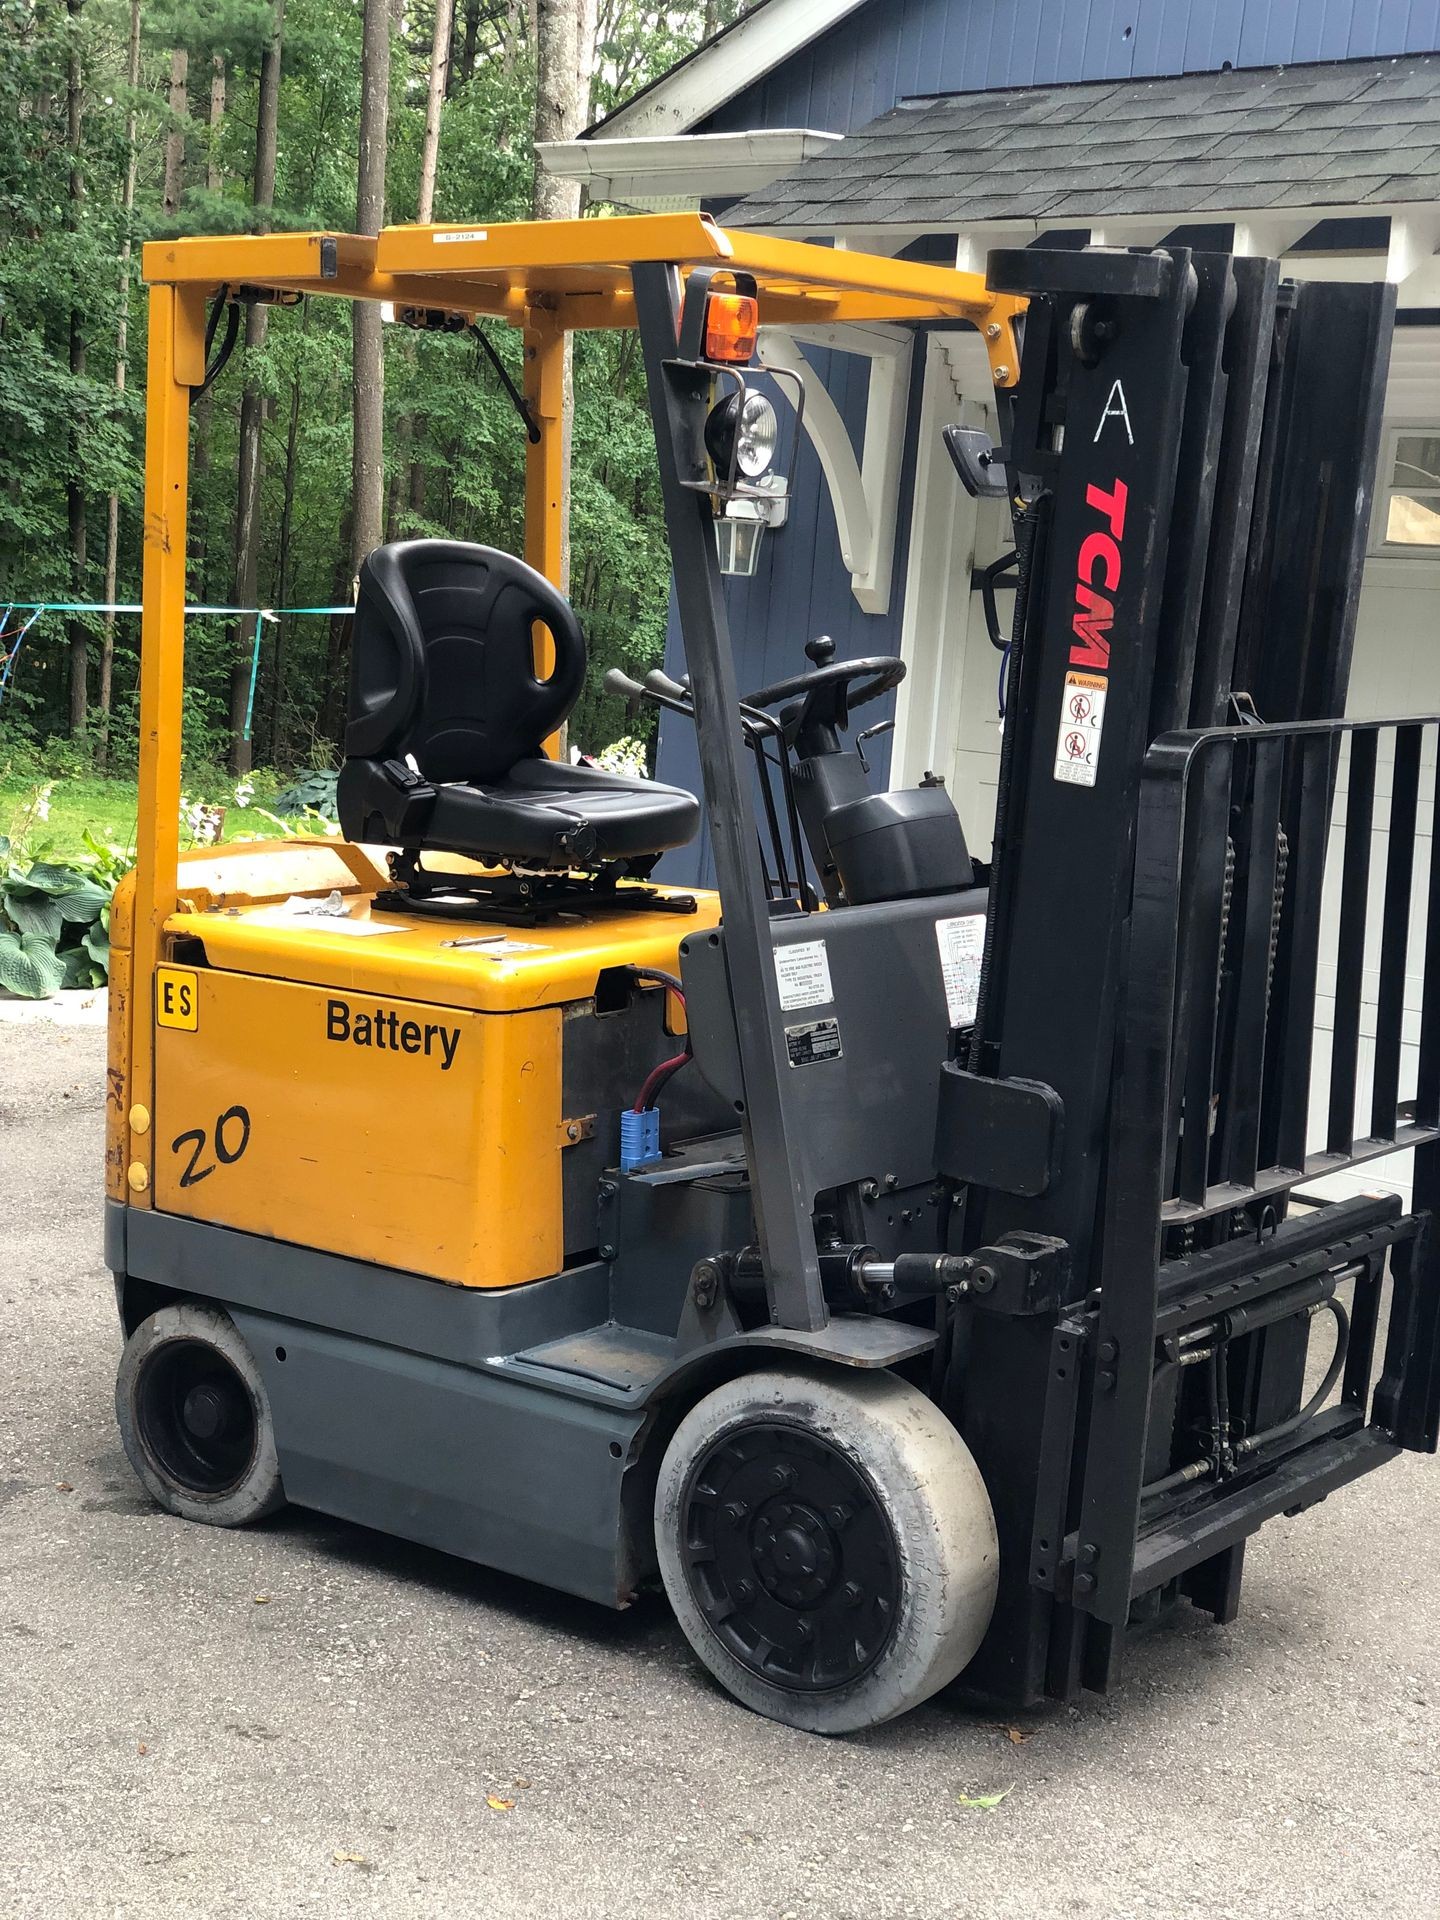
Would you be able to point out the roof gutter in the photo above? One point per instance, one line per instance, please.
(656, 169)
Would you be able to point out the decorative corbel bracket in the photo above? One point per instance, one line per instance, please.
(865, 493)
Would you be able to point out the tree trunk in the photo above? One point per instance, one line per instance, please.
(175, 137)
(564, 64)
(434, 102)
(204, 408)
(467, 44)
(287, 522)
(406, 480)
(368, 367)
(252, 409)
(122, 341)
(213, 175)
(74, 491)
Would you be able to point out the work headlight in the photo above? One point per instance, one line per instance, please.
(741, 435)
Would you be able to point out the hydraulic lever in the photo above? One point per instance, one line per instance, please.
(758, 726)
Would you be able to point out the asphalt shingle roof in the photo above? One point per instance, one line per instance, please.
(1349, 133)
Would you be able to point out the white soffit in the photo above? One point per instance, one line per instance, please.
(643, 171)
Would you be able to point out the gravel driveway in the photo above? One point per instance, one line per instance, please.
(312, 1717)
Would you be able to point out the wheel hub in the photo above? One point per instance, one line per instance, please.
(795, 1553)
(791, 1556)
(208, 1411)
(194, 1417)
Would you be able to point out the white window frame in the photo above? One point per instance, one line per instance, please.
(1385, 486)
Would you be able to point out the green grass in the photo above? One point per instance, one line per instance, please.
(106, 807)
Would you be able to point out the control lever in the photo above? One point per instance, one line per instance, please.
(658, 681)
(880, 726)
(618, 682)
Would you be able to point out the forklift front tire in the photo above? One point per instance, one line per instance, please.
(195, 1418)
(827, 1544)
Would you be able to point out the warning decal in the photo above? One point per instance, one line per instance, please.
(1082, 721)
(802, 972)
(962, 945)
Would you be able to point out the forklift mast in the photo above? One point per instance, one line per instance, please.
(1192, 452)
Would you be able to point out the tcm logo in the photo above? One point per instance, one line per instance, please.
(1098, 570)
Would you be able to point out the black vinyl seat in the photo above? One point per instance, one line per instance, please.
(447, 720)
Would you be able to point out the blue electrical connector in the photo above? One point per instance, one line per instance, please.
(639, 1138)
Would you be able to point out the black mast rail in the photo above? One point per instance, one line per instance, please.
(1170, 913)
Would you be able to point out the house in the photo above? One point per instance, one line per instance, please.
(944, 128)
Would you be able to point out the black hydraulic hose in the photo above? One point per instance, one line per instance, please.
(214, 369)
(670, 980)
(1220, 1411)
(1030, 525)
(517, 399)
(1321, 1394)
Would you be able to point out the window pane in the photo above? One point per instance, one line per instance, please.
(1413, 522)
(1417, 460)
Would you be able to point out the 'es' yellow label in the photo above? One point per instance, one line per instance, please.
(177, 998)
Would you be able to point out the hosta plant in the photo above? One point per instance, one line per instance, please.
(55, 920)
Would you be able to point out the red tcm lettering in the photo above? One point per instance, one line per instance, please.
(1098, 568)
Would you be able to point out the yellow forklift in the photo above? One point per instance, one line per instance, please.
(891, 1252)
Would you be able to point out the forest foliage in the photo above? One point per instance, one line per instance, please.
(78, 142)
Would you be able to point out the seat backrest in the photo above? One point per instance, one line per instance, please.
(442, 663)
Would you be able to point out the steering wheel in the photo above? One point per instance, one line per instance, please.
(855, 681)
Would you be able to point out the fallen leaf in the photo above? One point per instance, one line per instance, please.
(262, 1599)
(984, 1802)
(342, 1858)
(63, 1486)
(142, 1748)
(1017, 1736)
(520, 1781)
(499, 1803)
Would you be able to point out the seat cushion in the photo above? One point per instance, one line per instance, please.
(554, 814)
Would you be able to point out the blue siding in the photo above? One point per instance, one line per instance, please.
(892, 49)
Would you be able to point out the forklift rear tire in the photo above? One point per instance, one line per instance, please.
(195, 1418)
(827, 1544)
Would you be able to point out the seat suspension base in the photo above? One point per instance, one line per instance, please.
(515, 899)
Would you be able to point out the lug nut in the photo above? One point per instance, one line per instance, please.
(736, 1511)
(744, 1590)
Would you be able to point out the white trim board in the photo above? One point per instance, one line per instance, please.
(658, 167)
(725, 66)
(945, 717)
(1409, 260)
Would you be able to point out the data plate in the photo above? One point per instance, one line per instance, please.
(813, 1041)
